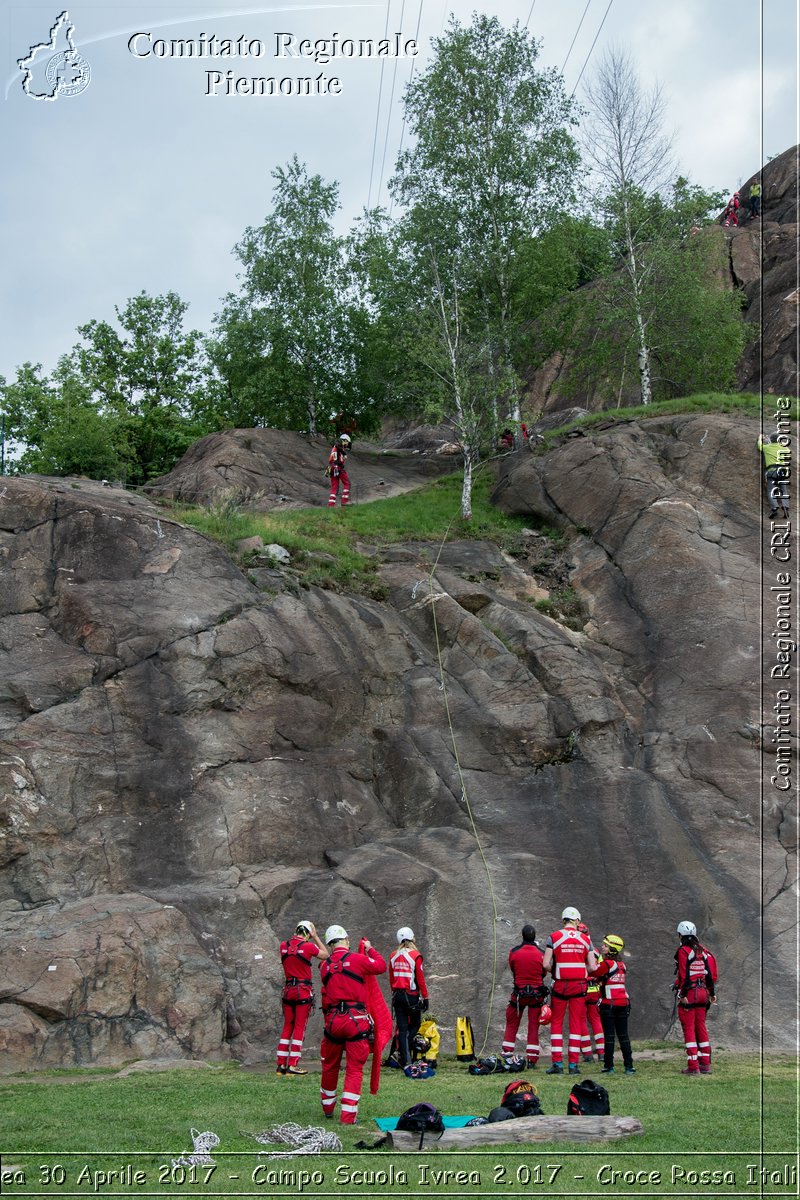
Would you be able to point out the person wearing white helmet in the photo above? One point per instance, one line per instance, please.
(570, 959)
(297, 997)
(336, 470)
(695, 984)
(348, 1025)
(409, 992)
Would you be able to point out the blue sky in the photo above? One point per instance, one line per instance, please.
(143, 181)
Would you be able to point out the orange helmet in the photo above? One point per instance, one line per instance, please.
(545, 1014)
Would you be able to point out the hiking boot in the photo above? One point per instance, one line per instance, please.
(630, 1070)
(705, 1070)
(690, 1071)
(607, 1071)
(588, 1058)
(574, 1069)
(556, 1069)
(295, 1071)
(280, 1070)
(531, 1065)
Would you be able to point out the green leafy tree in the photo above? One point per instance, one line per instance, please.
(60, 429)
(492, 164)
(286, 347)
(663, 266)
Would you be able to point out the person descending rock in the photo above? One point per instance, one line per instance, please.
(297, 996)
(615, 1004)
(409, 992)
(777, 467)
(594, 1026)
(348, 1025)
(731, 215)
(528, 992)
(695, 983)
(570, 960)
(336, 470)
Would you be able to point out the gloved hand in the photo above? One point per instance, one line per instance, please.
(424, 1005)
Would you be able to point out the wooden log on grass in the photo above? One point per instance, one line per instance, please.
(522, 1129)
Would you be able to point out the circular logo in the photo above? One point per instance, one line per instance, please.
(69, 73)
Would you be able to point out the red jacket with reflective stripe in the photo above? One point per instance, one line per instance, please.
(610, 974)
(405, 972)
(570, 954)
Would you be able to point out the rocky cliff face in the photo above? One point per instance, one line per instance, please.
(762, 263)
(189, 765)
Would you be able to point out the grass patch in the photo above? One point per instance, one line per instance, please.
(710, 1123)
(744, 404)
(324, 543)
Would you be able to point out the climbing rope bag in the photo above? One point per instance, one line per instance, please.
(588, 1099)
(465, 1042)
(421, 1118)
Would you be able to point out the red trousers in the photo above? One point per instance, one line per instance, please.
(356, 1052)
(575, 1008)
(513, 1018)
(344, 478)
(290, 1043)
(695, 1037)
(593, 1026)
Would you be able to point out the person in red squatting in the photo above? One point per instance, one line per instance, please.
(528, 993)
(570, 959)
(348, 1026)
(297, 996)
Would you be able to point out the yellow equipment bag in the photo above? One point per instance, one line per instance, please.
(430, 1031)
(465, 1042)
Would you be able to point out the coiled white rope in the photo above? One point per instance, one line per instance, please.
(203, 1144)
(309, 1139)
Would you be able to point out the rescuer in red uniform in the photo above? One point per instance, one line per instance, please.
(570, 960)
(348, 1025)
(615, 1003)
(695, 979)
(297, 996)
(594, 1025)
(409, 992)
(336, 470)
(528, 992)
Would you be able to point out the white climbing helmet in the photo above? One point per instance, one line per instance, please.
(687, 929)
(304, 927)
(405, 935)
(570, 914)
(335, 933)
(345, 438)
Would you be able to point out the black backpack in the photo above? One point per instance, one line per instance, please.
(588, 1099)
(421, 1118)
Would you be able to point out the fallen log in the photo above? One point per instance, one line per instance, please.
(522, 1129)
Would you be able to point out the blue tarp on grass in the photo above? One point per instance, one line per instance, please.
(388, 1123)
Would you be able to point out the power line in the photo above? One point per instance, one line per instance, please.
(410, 77)
(577, 31)
(591, 48)
(389, 114)
(530, 14)
(378, 112)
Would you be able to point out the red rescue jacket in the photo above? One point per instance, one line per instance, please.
(610, 975)
(405, 972)
(570, 955)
